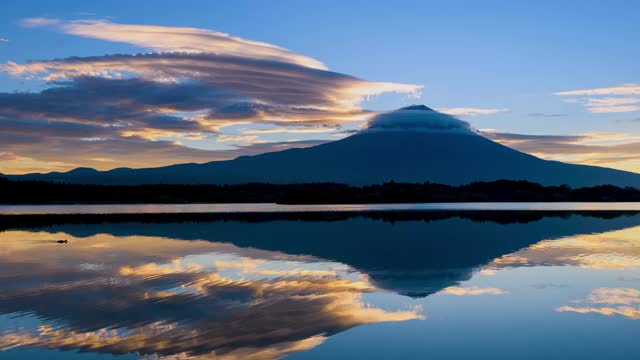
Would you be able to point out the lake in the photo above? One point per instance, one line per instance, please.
(362, 282)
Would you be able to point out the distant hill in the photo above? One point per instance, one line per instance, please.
(414, 144)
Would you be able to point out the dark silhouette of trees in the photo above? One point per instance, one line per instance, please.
(35, 192)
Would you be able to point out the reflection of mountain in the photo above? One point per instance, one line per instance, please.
(409, 253)
(260, 289)
(414, 144)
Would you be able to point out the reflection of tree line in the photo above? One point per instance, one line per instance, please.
(500, 217)
(34, 192)
(411, 253)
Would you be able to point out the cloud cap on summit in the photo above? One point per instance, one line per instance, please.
(419, 118)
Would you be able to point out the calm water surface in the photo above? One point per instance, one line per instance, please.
(240, 208)
(444, 286)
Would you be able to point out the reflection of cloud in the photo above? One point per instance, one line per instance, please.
(177, 299)
(471, 291)
(548, 286)
(625, 296)
(618, 249)
(616, 301)
(626, 311)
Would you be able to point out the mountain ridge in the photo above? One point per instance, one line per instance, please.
(415, 144)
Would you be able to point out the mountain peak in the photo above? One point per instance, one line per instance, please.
(417, 107)
(419, 118)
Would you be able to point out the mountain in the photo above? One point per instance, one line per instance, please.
(412, 144)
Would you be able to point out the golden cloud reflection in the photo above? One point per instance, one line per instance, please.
(609, 301)
(164, 298)
(471, 291)
(616, 250)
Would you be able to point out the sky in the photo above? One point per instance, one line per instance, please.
(129, 84)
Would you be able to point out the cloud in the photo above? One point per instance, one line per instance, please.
(33, 154)
(471, 111)
(625, 89)
(177, 39)
(546, 115)
(238, 138)
(613, 109)
(617, 150)
(604, 103)
(418, 120)
(4, 40)
(290, 130)
(262, 81)
(608, 104)
(196, 84)
(38, 22)
(609, 101)
(7, 156)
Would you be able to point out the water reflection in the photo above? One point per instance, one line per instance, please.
(611, 250)
(154, 295)
(239, 289)
(609, 301)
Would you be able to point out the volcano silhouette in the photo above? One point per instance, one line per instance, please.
(413, 144)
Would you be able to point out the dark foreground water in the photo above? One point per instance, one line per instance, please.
(418, 285)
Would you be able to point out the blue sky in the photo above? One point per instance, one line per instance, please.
(497, 55)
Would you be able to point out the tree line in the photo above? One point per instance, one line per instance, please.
(39, 192)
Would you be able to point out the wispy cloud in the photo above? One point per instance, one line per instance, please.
(604, 102)
(38, 22)
(611, 101)
(617, 150)
(290, 130)
(4, 40)
(613, 109)
(26, 154)
(625, 89)
(196, 83)
(237, 138)
(546, 115)
(472, 111)
(176, 39)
